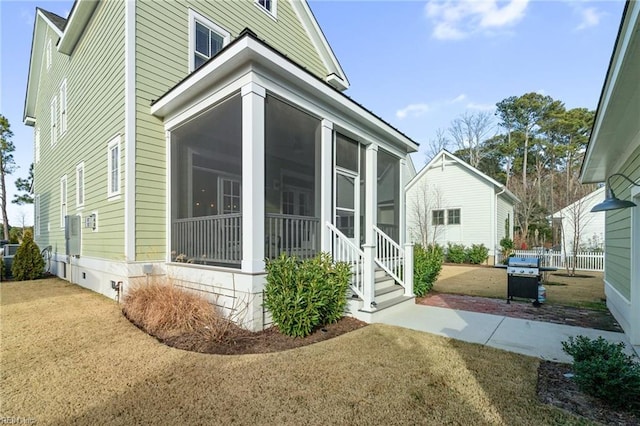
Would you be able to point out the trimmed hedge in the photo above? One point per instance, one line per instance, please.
(427, 264)
(28, 263)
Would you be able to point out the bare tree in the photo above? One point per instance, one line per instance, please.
(527, 209)
(424, 200)
(469, 131)
(576, 217)
(437, 144)
(7, 166)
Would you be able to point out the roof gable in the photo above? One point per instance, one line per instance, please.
(444, 154)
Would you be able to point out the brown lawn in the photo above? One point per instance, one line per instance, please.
(68, 356)
(586, 291)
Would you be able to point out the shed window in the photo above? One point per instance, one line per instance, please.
(453, 217)
(438, 217)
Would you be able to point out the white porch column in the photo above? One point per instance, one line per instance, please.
(326, 189)
(402, 208)
(370, 220)
(253, 178)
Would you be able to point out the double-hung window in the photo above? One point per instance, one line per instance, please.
(113, 169)
(206, 39)
(268, 6)
(80, 185)
(63, 200)
(453, 217)
(63, 107)
(54, 120)
(437, 217)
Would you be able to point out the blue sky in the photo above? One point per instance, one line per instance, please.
(417, 64)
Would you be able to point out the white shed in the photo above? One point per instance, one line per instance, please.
(451, 201)
(578, 217)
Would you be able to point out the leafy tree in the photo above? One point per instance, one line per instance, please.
(26, 187)
(7, 166)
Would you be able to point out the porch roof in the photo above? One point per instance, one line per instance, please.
(247, 49)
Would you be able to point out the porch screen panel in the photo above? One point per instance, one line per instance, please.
(206, 181)
(292, 140)
(389, 194)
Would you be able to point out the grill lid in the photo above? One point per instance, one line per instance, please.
(524, 262)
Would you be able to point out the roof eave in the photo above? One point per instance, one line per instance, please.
(76, 24)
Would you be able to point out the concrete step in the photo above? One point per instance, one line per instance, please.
(371, 314)
(387, 293)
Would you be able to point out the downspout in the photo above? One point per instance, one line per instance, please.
(495, 226)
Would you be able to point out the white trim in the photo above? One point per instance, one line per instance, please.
(80, 185)
(53, 125)
(277, 75)
(196, 16)
(634, 285)
(130, 130)
(48, 54)
(64, 197)
(272, 12)
(169, 206)
(37, 215)
(36, 146)
(114, 144)
(63, 112)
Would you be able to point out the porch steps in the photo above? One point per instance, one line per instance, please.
(388, 296)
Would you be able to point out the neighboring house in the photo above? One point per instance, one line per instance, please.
(192, 140)
(614, 147)
(577, 218)
(450, 201)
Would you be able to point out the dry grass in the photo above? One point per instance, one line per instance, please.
(70, 357)
(492, 282)
(164, 310)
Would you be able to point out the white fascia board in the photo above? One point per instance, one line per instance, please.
(336, 76)
(594, 168)
(77, 22)
(249, 51)
(35, 65)
(53, 26)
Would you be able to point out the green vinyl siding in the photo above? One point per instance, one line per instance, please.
(95, 115)
(618, 230)
(162, 60)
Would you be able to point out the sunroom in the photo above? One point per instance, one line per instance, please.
(264, 158)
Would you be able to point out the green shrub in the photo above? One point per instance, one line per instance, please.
(28, 263)
(427, 263)
(477, 254)
(456, 253)
(506, 244)
(603, 370)
(304, 295)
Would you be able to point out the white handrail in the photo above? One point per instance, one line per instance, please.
(344, 250)
(390, 256)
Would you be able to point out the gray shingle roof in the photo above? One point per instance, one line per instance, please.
(58, 21)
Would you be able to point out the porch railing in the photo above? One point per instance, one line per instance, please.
(394, 260)
(294, 235)
(207, 239)
(344, 250)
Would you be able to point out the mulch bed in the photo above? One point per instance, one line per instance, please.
(558, 314)
(556, 389)
(242, 342)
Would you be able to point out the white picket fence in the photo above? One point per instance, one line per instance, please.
(585, 261)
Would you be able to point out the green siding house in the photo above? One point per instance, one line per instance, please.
(614, 149)
(192, 140)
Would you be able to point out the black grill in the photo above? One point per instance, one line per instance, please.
(523, 278)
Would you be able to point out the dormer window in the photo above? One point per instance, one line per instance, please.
(206, 39)
(268, 6)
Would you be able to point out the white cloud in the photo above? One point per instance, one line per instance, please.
(457, 19)
(590, 18)
(413, 110)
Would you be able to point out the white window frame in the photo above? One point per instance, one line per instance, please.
(80, 185)
(193, 17)
(459, 216)
(36, 215)
(54, 121)
(64, 192)
(444, 217)
(37, 146)
(272, 12)
(63, 107)
(48, 54)
(111, 192)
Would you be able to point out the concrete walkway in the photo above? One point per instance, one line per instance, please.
(533, 338)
